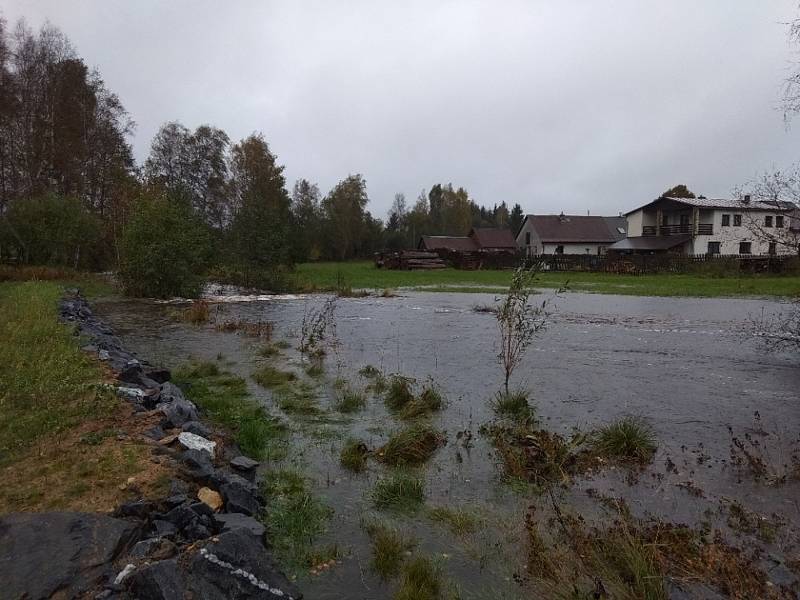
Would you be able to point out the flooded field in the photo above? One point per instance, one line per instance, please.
(690, 367)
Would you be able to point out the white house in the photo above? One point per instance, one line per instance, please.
(712, 226)
(569, 234)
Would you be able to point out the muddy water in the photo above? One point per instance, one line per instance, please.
(687, 365)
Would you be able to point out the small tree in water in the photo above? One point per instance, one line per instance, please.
(519, 320)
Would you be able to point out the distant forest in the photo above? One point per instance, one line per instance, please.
(71, 193)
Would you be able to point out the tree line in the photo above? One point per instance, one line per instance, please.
(72, 194)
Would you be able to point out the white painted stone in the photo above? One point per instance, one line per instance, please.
(193, 441)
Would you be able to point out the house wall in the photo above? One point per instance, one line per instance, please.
(751, 230)
(582, 248)
(535, 246)
(635, 222)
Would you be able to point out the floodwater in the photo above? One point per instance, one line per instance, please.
(691, 367)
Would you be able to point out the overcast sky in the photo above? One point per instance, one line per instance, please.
(573, 106)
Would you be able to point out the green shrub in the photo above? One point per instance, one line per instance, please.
(165, 250)
(513, 404)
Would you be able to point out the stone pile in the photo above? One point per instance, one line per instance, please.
(203, 541)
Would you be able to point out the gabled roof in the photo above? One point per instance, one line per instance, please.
(723, 203)
(650, 242)
(578, 228)
(493, 237)
(447, 242)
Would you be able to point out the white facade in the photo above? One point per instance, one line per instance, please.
(730, 230)
(529, 240)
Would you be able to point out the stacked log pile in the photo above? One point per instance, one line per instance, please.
(409, 260)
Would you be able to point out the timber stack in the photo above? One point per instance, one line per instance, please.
(409, 260)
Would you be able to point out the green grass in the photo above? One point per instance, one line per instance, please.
(47, 384)
(460, 521)
(429, 400)
(390, 549)
(353, 456)
(224, 398)
(363, 274)
(293, 517)
(398, 393)
(399, 491)
(422, 580)
(297, 398)
(513, 405)
(628, 439)
(349, 400)
(411, 446)
(272, 377)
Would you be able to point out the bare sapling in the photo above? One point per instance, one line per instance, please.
(317, 329)
(519, 320)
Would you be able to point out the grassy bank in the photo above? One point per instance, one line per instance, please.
(363, 274)
(59, 424)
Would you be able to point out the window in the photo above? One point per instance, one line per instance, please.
(744, 247)
(768, 221)
(726, 220)
(588, 250)
(737, 220)
(527, 238)
(779, 221)
(601, 250)
(559, 249)
(773, 248)
(713, 247)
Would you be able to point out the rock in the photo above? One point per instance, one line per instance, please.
(158, 581)
(235, 565)
(198, 463)
(210, 498)
(168, 439)
(243, 463)
(103, 355)
(176, 500)
(155, 433)
(159, 375)
(131, 393)
(129, 568)
(192, 441)
(176, 408)
(138, 508)
(164, 528)
(154, 548)
(64, 553)
(240, 499)
(181, 516)
(230, 521)
(197, 428)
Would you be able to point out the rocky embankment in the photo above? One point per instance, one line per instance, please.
(202, 542)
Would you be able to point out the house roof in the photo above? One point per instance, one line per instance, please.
(448, 242)
(493, 237)
(650, 243)
(578, 228)
(731, 203)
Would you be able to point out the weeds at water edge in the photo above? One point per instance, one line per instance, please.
(400, 491)
(390, 548)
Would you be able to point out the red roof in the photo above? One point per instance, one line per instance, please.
(447, 242)
(492, 237)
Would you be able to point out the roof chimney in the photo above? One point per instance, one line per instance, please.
(561, 217)
(746, 199)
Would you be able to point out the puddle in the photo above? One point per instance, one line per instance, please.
(687, 365)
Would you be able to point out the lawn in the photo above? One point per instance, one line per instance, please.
(59, 423)
(363, 274)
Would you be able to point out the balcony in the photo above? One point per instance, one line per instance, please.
(682, 229)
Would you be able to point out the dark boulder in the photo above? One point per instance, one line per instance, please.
(243, 463)
(231, 521)
(240, 495)
(236, 566)
(158, 581)
(198, 464)
(137, 508)
(64, 552)
(176, 408)
(159, 375)
(197, 428)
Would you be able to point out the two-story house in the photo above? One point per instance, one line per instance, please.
(711, 226)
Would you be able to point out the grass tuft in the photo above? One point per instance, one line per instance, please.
(398, 393)
(430, 400)
(297, 398)
(197, 313)
(628, 439)
(460, 521)
(399, 491)
(294, 518)
(513, 405)
(411, 446)
(390, 548)
(271, 377)
(422, 580)
(349, 400)
(354, 455)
